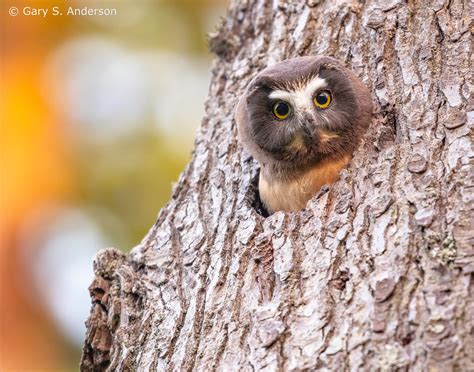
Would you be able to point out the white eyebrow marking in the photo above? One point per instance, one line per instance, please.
(300, 98)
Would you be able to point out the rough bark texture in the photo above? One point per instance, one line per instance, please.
(375, 274)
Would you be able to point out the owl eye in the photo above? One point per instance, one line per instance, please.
(281, 110)
(322, 99)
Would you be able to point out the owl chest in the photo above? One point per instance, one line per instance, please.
(292, 195)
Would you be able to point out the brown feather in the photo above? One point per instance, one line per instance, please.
(293, 194)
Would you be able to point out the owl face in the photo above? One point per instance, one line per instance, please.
(304, 110)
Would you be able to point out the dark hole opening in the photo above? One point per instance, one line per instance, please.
(256, 202)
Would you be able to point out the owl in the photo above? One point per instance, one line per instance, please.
(301, 119)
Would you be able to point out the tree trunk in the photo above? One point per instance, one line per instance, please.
(375, 274)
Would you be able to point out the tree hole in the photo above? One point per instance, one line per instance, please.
(256, 202)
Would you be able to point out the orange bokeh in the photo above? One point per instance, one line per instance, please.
(34, 170)
(42, 163)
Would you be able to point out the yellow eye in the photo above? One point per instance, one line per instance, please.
(281, 110)
(322, 99)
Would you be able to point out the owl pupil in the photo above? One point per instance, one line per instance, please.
(282, 109)
(322, 99)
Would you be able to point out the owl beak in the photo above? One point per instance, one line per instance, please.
(307, 125)
(307, 131)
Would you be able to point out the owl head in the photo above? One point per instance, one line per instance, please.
(302, 111)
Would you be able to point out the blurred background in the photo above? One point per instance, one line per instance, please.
(97, 119)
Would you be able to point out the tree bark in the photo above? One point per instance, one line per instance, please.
(375, 274)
